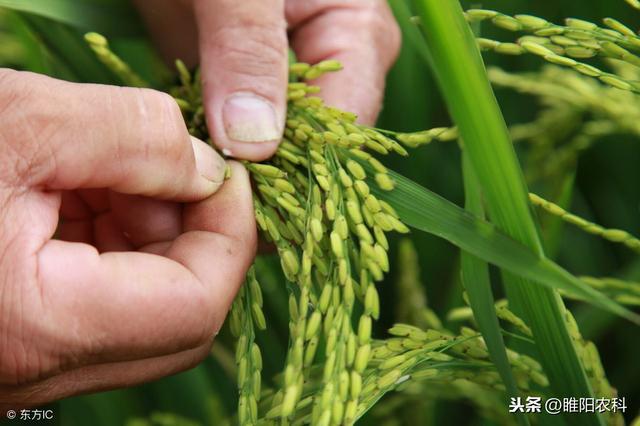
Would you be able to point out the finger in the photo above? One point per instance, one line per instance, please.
(362, 35)
(121, 306)
(100, 377)
(145, 220)
(171, 26)
(87, 217)
(243, 51)
(76, 219)
(130, 140)
(96, 199)
(228, 213)
(74, 207)
(79, 231)
(124, 306)
(108, 234)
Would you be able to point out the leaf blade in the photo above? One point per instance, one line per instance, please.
(464, 82)
(424, 210)
(111, 19)
(476, 280)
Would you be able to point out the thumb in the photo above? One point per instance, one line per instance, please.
(243, 50)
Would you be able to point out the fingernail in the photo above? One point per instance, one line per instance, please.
(250, 118)
(208, 162)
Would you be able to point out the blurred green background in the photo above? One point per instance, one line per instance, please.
(607, 191)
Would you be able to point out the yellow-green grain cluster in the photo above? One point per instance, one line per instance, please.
(246, 314)
(613, 235)
(100, 47)
(622, 291)
(576, 113)
(313, 202)
(588, 353)
(566, 45)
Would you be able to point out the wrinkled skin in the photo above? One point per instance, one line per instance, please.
(242, 48)
(136, 280)
(120, 247)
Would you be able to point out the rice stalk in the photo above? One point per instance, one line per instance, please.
(411, 305)
(612, 235)
(100, 47)
(562, 45)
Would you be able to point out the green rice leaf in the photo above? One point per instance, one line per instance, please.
(109, 18)
(475, 278)
(67, 50)
(426, 211)
(463, 79)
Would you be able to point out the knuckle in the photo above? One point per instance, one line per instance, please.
(169, 106)
(383, 28)
(21, 131)
(164, 129)
(269, 39)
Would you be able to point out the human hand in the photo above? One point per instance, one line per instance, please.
(243, 53)
(137, 279)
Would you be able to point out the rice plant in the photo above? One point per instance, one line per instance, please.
(301, 345)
